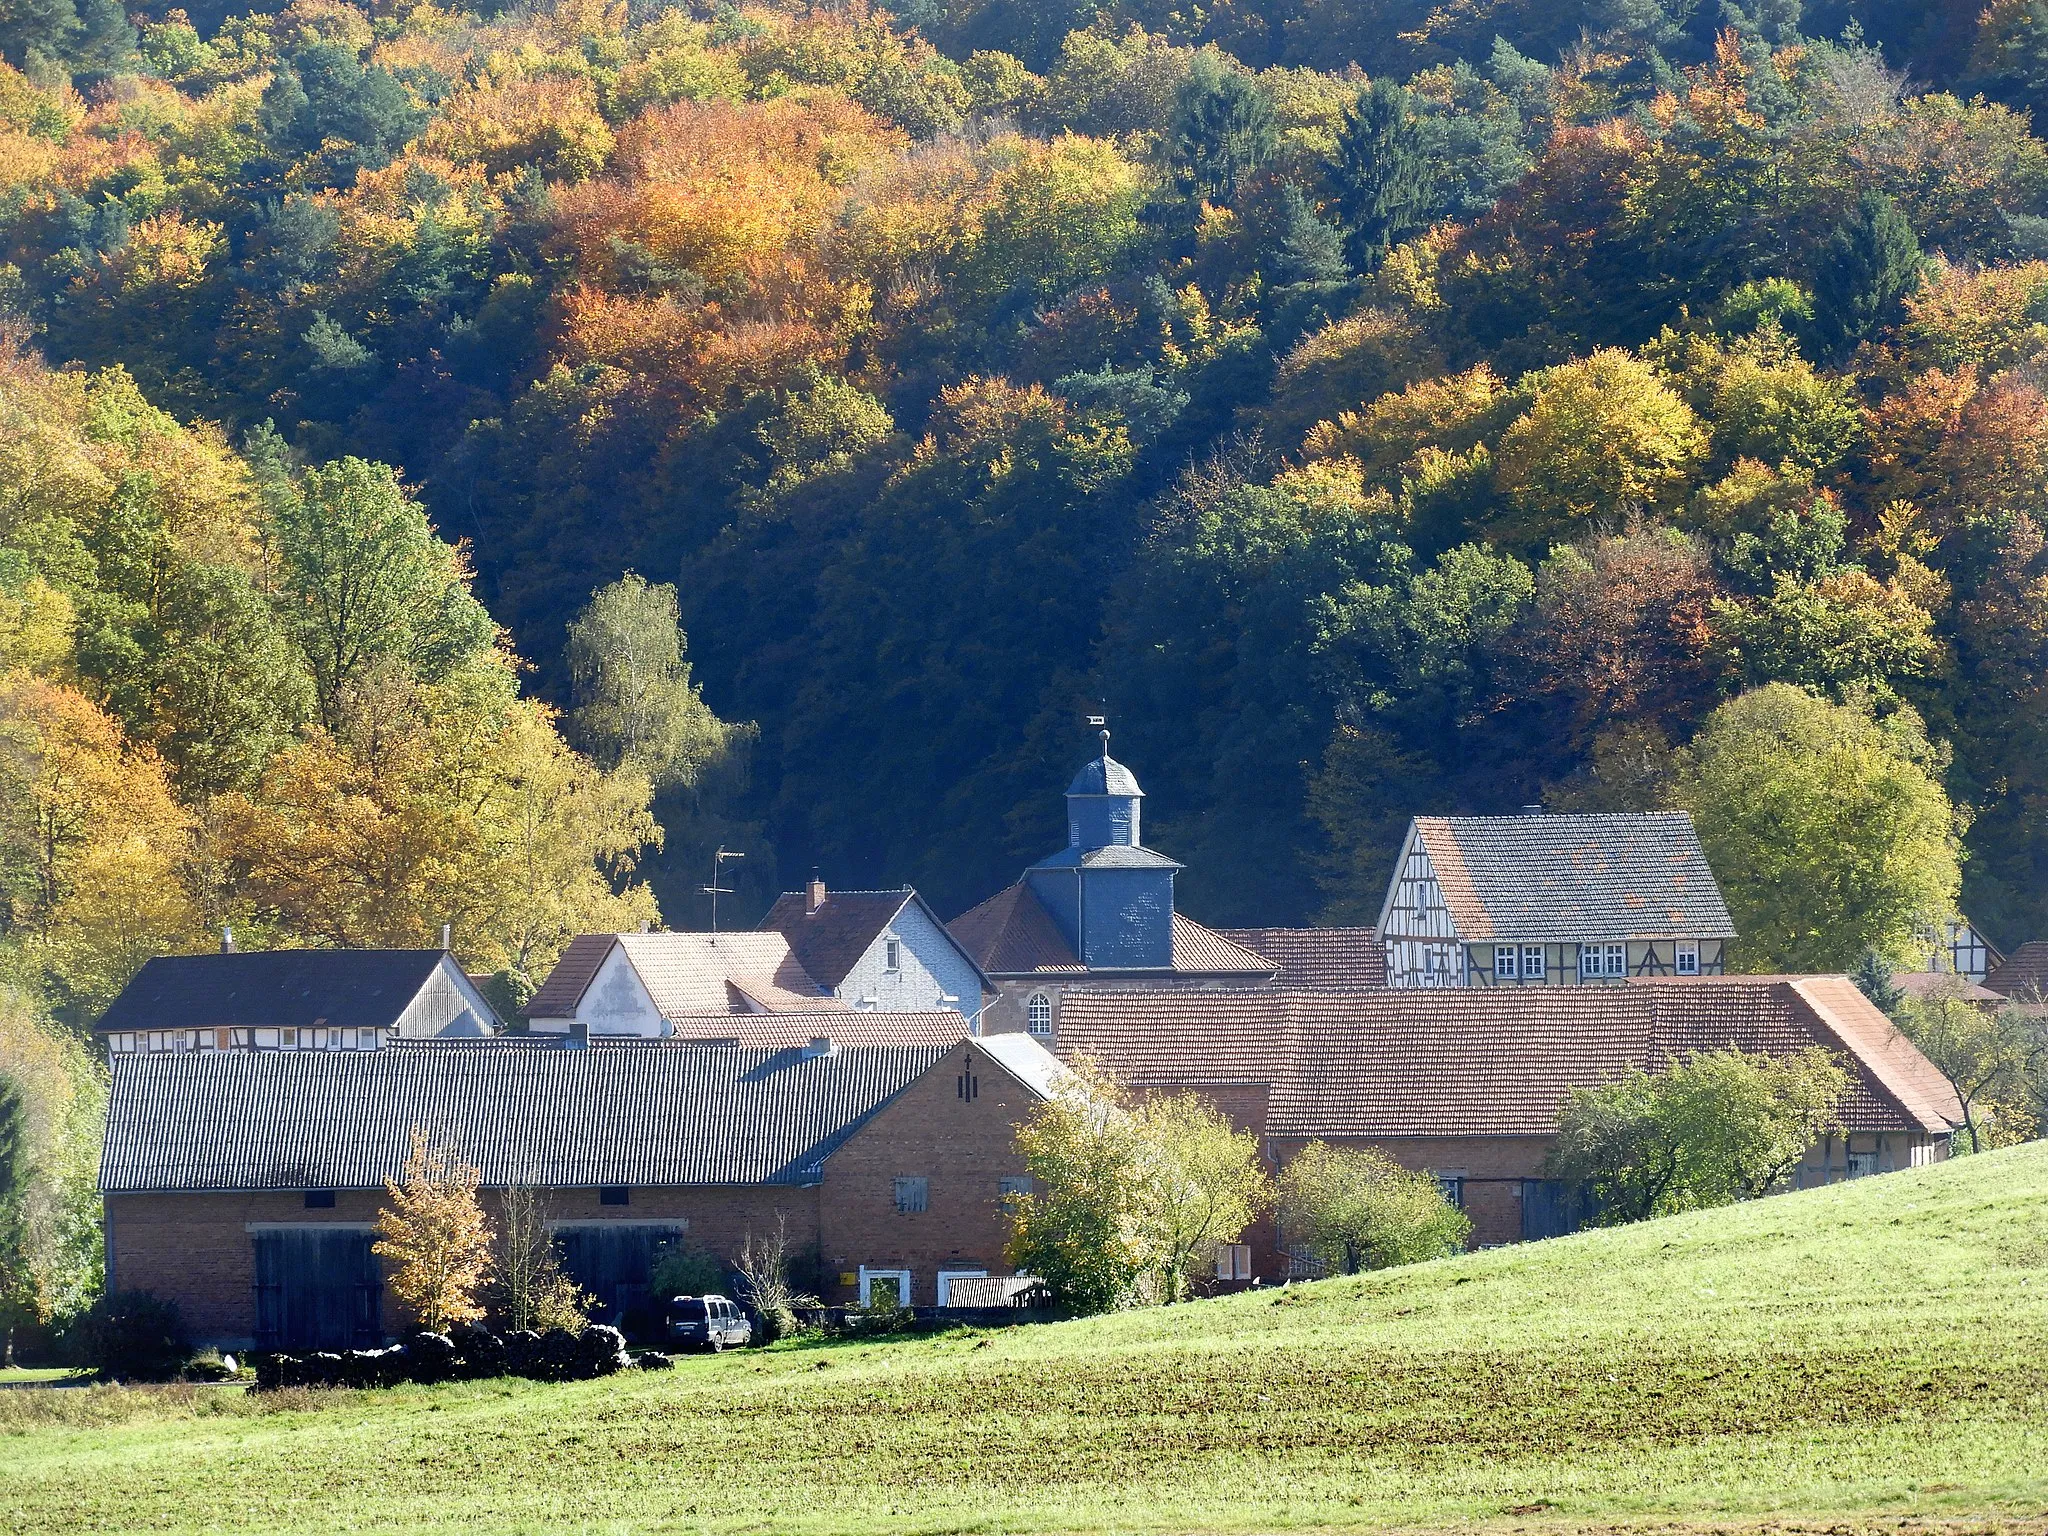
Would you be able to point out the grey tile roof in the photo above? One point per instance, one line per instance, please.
(348, 988)
(557, 1118)
(1105, 776)
(1011, 934)
(1573, 877)
(1109, 856)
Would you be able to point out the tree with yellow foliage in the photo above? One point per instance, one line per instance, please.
(434, 1235)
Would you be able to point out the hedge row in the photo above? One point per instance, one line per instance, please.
(464, 1352)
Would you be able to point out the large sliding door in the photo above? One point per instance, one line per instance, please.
(612, 1261)
(318, 1288)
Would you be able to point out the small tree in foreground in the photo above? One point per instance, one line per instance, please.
(1078, 1228)
(762, 1279)
(531, 1288)
(1362, 1210)
(1131, 1196)
(434, 1234)
(1716, 1127)
(1204, 1184)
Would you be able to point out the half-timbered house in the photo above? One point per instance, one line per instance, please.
(1540, 900)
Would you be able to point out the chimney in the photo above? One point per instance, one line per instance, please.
(646, 925)
(1533, 810)
(814, 895)
(227, 940)
(446, 934)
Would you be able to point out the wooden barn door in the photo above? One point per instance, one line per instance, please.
(317, 1288)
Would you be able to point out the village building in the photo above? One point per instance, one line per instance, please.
(817, 951)
(1542, 900)
(1099, 912)
(1960, 949)
(1467, 1084)
(2023, 975)
(244, 1186)
(295, 1000)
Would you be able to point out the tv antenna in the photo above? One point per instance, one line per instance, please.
(714, 890)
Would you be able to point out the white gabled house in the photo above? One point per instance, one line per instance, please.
(1541, 900)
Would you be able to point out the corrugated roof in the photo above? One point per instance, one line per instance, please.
(2022, 974)
(349, 988)
(1573, 877)
(574, 1119)
(1026, 1060)
(1318, 959)
(847, 1026)
(1482, 1061)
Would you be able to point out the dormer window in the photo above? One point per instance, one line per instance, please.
(1038, 1015)
(892, 955)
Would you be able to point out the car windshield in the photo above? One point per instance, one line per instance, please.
(689, 1309)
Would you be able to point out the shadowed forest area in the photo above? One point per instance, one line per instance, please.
(1374, 408)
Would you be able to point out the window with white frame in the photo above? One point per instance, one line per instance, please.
(1038, 1014)
(892, 954)
(1233, 1261)
(1686, 957)
(1532, 962)
(884, 1287)
(1507, 962)
(913, 1194)
(1603, 960)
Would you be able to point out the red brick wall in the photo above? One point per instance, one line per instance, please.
(197, 1251)
(963, 1147)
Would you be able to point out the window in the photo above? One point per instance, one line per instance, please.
(1532, 962)
(1038, 1014)
(1233, 1261)
(884, 1287)
(319, 1199)
(1013, 1184)
(1452, 1186)
(1861, 1163)
(1506, 962)
(892, 954)
(615, 1195)
(288, 1038)
(1686, 958)
(913, 1195)
(1599, 960)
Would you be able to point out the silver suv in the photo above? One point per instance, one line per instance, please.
(708, 1322)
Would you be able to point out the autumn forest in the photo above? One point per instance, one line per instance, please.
(461, 466)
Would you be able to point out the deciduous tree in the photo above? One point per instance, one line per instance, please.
(1352, 1210)
(433, 1233)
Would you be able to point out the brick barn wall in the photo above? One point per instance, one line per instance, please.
(1493, 1166)
(963, 1147)
(197, 1250)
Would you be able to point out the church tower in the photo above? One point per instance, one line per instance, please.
(1110, 896)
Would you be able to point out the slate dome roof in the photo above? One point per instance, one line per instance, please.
(1104, 776)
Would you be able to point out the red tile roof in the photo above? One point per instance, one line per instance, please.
(1485, 1062)
(1011, 934)
(2023, 973)
(1318, 959)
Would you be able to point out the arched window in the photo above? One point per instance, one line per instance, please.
(1038, 1014)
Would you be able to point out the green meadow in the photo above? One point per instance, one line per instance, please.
(1866, 1356)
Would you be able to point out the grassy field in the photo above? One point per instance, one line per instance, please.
(1869, 1356)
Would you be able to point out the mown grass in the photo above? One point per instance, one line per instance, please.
(1871, 1352)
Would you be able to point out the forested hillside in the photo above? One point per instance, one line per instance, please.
(1375, 407)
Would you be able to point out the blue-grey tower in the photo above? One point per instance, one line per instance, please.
(1111, 897)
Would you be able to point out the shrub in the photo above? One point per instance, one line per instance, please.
(134, 1336)
(1362, 1210)
(684, 1269)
